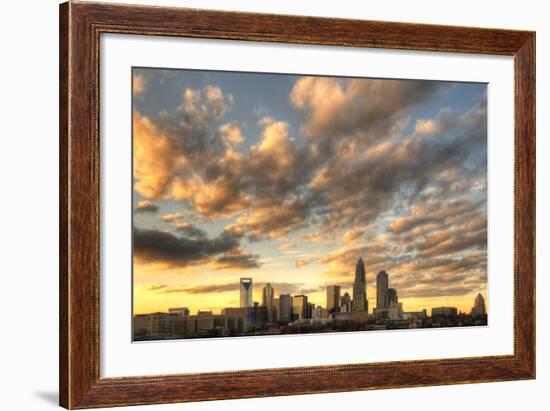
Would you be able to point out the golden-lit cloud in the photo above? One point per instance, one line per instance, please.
(172, 217)
(273, 220)
(275, 154)
(375, 108)
(138, 84)
(231, 134)
(219, 199)
(201, 107)
(438, 252)
(358, 178)
(302, 262)
(154, 163)
(154, 287)
(353, 234)
(146, 206)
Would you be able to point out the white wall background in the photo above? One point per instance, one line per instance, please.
(29, 191)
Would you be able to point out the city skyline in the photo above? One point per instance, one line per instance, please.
(333, 293)
(287, 314)
(286, 179)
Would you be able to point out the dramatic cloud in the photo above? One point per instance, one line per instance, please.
(201, 107)
(154, 163)
(146, 206)
(361, 184)
(353, 234)
(372, 170)
(166, 249)
(439, 251)
(274, 159)
(373, 108)
(231, 134)
(190, 230)
(172, 154)
(204, 170)
(272, 220)
(432, 213)
(237, 260)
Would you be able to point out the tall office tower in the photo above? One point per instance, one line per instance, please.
(333, 298)
(246, 292)
(275, 309)
(285, 308)
(392, 297)
(382, 290)
(360, 287)
(310, 308)
(267, 300)
(345, 303)
(478, 309)
(299, 307)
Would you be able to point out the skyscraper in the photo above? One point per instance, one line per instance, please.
(360, 287)
(276, 309)
(246, 292)
(478, 310)
(299, 307)
(285, 308)
(267, 300)
(382, 290)
(310, 309)
(333, 298)
(392, 297)
(345, 303)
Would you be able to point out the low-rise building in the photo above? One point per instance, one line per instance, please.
(444, 312)
(415, 315)
(181, 311)
(393, 312)
(153, 326)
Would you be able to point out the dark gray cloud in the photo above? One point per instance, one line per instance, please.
(436, 290)
(431, 212)
(202, 289)
(189, 230)
(449, 242)
(243, 261)
(153, 246)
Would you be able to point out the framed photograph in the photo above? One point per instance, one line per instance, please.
(260, 205)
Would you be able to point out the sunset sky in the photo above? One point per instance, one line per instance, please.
(290, 179)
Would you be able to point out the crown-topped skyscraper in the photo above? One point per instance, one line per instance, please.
(479, 306)
(359, 288)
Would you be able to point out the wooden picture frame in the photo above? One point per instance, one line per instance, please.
(80, 27)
